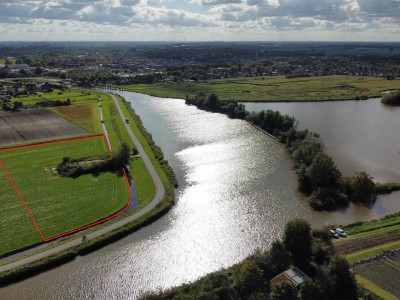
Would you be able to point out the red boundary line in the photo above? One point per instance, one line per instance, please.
(80, 228)
(22, 200)
(54, 142)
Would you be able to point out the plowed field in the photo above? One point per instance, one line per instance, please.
(34, 125)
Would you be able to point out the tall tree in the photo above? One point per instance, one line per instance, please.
(298, 242)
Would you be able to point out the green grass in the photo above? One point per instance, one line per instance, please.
(387, 221)
(371, 252)
(3, 61)
(58, 204)
(276, 88)
(75, 95)
(144, 185)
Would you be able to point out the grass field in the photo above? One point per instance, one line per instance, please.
(276, 88)
(76, 96)
(58, 204)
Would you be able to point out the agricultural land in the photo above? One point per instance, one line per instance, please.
(373, 250)
(58, 204)
(274, 88)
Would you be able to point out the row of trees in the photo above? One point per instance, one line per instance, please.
(311, 251)
(212, 103)
(318, 176)
(392, 98)
(109, 162)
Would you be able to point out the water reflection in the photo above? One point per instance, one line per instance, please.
(237, 190)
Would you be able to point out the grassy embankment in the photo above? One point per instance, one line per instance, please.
(277, 88)
(145, 189)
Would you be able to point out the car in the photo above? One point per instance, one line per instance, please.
(341, 232)
(126, 121)
(333, 234)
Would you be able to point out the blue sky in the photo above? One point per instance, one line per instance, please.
(200, 20)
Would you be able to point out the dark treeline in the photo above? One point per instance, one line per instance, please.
(392, 98)
(317, 174)
(309, 250)
(212, 103)
(110, 162)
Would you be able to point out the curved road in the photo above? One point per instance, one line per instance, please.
(160, 192)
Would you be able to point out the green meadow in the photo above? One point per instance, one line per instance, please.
(274, 88)
(58, 204)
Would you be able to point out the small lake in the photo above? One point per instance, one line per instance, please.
(236, 191)
(359, 135)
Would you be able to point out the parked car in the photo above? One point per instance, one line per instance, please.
(341, 232)
(333, 234)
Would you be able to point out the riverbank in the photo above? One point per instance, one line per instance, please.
(273, 88)
(162, 202)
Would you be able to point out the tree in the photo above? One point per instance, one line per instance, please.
(285, 291)
(250, 278)
(323, 172)
(17, 105)
(297, 240)
(343, 283)
(279, 256)
(360, 187)
(392, 98)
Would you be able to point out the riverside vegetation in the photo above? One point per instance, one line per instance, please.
(392, 98)
(310, 250)
(317, 174)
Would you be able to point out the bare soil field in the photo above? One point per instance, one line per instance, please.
(32, 125)
(360, 243)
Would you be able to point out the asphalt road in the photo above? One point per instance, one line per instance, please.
(160, 192)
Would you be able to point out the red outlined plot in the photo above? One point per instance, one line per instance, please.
(26, 206)
(22, 200)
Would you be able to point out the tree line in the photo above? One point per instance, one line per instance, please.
(317, 174)
(109, 162)
(392, 98)
(310, 250)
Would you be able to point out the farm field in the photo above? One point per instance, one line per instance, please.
(57, 204)
(31, 125)
(75, 95)
(274, 88)
(384, 273)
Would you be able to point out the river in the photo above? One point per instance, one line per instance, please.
(236, 191)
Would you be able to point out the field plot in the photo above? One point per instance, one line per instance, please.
(274, 88)
(31, 125)
(57, 204)
(384, 273)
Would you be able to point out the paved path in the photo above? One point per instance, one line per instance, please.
(160, 192)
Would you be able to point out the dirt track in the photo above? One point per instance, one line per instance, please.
(32, 125)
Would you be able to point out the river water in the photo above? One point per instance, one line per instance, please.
(237, 190)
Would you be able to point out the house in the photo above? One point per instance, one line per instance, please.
(293, 276)
(31, 87)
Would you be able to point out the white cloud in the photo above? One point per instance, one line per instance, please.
(225, 17)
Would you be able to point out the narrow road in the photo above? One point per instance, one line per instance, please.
(160, 192)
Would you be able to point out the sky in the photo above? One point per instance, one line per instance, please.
(200, 20)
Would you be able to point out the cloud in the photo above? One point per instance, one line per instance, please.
(230, 16)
